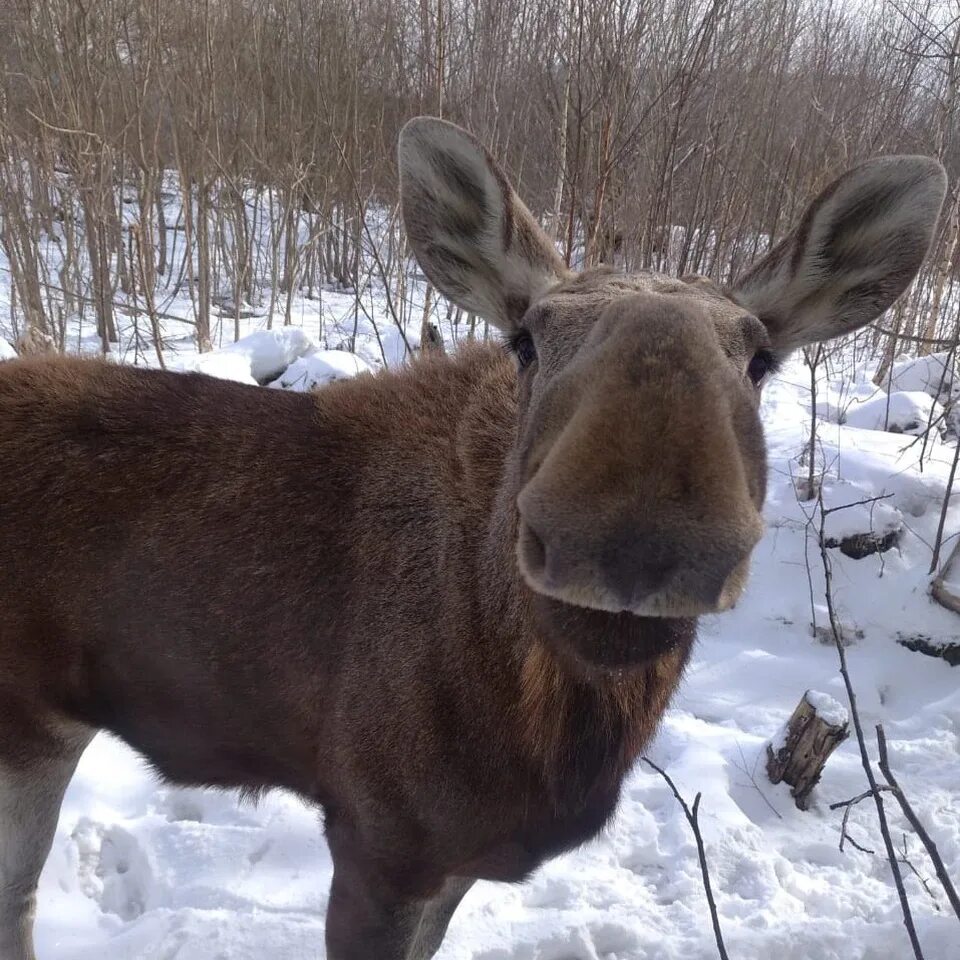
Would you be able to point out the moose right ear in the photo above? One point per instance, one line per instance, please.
(857, 248)
(475, 240)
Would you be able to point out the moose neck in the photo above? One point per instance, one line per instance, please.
(606, 677)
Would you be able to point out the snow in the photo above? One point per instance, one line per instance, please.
(270, 352)
(6, 351)
(257, 358)
(827, 709)
(286, 359)
(932, 374)
(848, 514)
(307, 373)
(905, 411)
(140, 870)
(224, 364)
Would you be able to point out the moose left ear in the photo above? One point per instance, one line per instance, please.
(473, 237)
(857, 248)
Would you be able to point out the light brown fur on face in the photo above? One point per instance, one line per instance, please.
(447, 604)
(641, 407)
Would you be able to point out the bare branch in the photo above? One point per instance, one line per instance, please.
(692, 819)
(917, 824)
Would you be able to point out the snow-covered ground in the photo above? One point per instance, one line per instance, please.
(144, 871)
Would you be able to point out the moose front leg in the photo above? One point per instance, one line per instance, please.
(436, 916)
(368, 916)
(35, 769)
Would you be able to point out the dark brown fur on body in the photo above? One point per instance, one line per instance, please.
(205, 602)
(448, 604)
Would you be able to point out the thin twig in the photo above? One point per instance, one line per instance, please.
(751, 776)
(853, 801)
(844, 832)
(938, 542)
(939, 341)
(826, 511)
(915, 822)
(691, 816)
(905, 860)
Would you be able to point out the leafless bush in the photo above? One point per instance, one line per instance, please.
(677, 133)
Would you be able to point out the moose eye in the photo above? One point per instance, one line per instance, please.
(521, 343)
(761, 366)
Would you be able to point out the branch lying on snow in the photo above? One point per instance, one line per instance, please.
(751, 775)
(692, 819)
(849, 805)
(914, 821)
(845, 835)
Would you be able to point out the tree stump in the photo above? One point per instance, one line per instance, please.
(946, 585)
(798, 755)
(431, 339)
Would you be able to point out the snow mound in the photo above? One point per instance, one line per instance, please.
(6, 351)
(830, 412)
(827, 708)
(906, 411)
(850, 511)
(256, 358)
(319, 368)
(933, 375)
(286, 359)
(269, 352)
(221, 364)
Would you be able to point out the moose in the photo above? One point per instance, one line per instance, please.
(447, 604)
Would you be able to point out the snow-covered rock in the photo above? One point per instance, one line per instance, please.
(257, 358)
(859, 528)
(269, 352)
(830, 412)
(933, 375)
(221, 364)
(906, 411)
(319, 368)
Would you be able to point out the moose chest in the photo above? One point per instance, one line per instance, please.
(532, 807)
(542, 821)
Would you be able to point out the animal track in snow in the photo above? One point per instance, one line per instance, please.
(255, 856)
(113, 869)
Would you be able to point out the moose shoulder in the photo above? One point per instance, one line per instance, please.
(447, 604)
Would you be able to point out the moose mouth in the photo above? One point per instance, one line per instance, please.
(609, 641)
(652, 590)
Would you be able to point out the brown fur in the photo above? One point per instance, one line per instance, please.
(253, 607)
(420, 600)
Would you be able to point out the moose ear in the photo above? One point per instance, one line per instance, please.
(475, 240)
(855, 251)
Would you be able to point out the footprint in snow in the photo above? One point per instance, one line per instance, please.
(112, 869)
